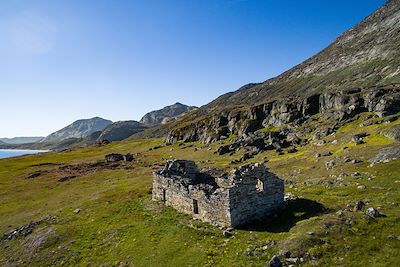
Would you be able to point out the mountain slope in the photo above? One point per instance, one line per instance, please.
(165, 114)
(368, 54)
(21, 140)
(78, 129)
(121, 130)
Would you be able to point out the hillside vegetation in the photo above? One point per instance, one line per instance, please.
(86, 212)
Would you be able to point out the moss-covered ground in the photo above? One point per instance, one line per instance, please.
(119, 225)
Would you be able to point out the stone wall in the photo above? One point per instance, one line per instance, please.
(249, 193)
(257, 193)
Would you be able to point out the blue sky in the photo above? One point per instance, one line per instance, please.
(70, 59)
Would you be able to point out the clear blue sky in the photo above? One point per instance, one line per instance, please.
(70, 59)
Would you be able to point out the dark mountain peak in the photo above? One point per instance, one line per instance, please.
(121, 130)
(166, 114)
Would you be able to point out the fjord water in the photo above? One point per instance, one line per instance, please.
(8, 153)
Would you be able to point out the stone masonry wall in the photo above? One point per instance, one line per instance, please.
(257, 194)
(212, 208)
(249, 193)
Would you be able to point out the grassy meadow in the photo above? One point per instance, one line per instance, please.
(119, 225)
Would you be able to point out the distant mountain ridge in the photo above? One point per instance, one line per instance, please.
(78, 129)
(21, 140)
(166, 114)
(121, 130)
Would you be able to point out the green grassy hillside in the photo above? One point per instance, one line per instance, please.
(102, 214)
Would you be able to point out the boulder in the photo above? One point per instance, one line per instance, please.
(222, 150)
(275, 262)
(114, 157)
(358, 138)
(330, 164)
(385, 155)
(394, 133)
(374, 213)
(359, 205)
(129, 157)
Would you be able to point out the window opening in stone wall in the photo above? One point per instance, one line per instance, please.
(164, 195)
(260, 185)
(195, 207)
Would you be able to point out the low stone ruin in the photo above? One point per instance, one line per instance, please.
(115, 157)
(248, 193)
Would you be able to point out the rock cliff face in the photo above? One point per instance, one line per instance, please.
(78, 129)
(166, 114)
(335, 108)
(121, 130)
(359, 72)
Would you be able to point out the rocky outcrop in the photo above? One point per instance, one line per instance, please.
(385, 155)
(166, 114)
(336, 107)
(394, 132)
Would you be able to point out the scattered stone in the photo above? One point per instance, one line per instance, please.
(77, 211)
(25, 229)
(334, 142)
(128, 157)
(66, 178)
(359, 205)
(347, 159)
(292, 260)
(394, 237)
(326, 154)
(329, 164)
(292, 149)
(320, 143)
(227, 233)
(358, 138)
(34, 174)
(114, 157)
(394, 133)
(340, 213)
(374, 213)
(275, 262)
(361, 187)
(385, 155)
(355, 174)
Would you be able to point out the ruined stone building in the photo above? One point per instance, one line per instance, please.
(248, 193)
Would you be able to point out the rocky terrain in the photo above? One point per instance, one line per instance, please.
(329, 128)
(356, 73)
(166, 114)
(78, 129)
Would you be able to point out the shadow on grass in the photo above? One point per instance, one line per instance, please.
(283, 220)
